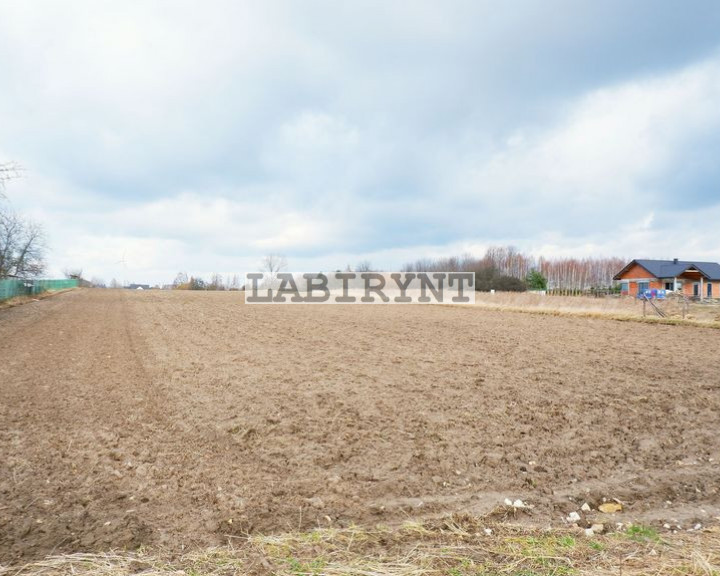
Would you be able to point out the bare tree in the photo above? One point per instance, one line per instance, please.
(8, 171)
(216, 282)
(364, 266)
(181, 278)
(234, 283)
(22, 243)
(22, 247)
(114, 283)
(272, 265)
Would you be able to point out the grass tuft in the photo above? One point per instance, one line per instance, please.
(641, 533)
(457, 546)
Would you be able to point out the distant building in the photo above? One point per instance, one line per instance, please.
(138, 287)
(694, 279)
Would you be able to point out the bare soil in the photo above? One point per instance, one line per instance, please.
(178, 419)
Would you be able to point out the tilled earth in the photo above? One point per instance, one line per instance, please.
(185, 418)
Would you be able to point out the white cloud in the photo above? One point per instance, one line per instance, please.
(315, 149)
(602, 161)
(202, 139)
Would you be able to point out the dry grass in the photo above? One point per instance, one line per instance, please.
(614, 308)
(458, 546)
(20, 300)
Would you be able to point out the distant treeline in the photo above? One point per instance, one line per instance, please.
(506, 268)
(502, 268)
(184, 282)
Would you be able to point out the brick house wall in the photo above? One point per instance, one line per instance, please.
(637, 273)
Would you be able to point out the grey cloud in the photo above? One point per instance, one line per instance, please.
(383, 125)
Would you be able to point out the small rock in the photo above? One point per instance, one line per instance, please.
(589, 532)
(488, 531)
(508, 502)
(585, 507)
(573, 517)
(666, 526)
(598, 528)
(610, 507)
(519, 504)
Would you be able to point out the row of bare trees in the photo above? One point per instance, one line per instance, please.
(562, 274)
(580, 274)
(22, 243)
(216, 282)
(571, 275)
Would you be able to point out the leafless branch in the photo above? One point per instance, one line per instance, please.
(22, 247)
(272, 264)
(9, 171)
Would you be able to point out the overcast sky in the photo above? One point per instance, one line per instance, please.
(160, 136)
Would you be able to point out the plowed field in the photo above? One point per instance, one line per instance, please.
(182, 418)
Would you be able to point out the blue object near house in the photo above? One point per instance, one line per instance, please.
(654, 294)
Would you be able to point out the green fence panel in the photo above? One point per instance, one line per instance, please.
(44, 285)
(11, 287)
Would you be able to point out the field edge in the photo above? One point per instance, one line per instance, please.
(454, 546)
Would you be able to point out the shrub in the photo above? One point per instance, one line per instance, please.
(536, 281)
(488, 278)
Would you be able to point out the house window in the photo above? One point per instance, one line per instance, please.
(624, 287)
(696, 289)
(642, 286)
(709, 290)
(669, 286)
